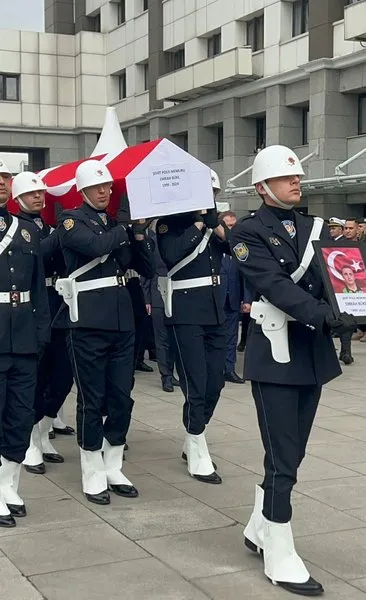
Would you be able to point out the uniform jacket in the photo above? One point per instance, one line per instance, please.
(267, 256)
(53, 260)
(25, 327)
(231, 283)
(150, 286)
(177, 238)
(85, 234)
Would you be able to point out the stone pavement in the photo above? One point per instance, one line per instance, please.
(181, 539)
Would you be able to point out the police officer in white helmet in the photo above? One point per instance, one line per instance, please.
(290, 353)
(97, 314)
(25, 322)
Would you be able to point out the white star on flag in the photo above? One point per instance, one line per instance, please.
(356, 266)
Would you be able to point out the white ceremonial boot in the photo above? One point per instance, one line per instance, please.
(117, 481)
(48, 451)
(59, 425)
(9, 484)
(199, 460)
(282, 565)
(93, 475)
(33, 461)
(253, 533)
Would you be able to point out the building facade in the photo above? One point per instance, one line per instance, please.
(220, 78)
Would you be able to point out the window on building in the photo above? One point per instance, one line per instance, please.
(95, 23)
(214, 45)
(121, 12)
(362, 114)
(255, 33)
(122, 88)
(260, 133)
(9, 87)
(220, 143)
(181, 140)
(146, 76)
(300, 17)
(305, 126)
(145, 4)
(175, 60)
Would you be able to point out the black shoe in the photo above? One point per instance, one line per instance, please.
(36, 469)
(51, 435)
(252, 546)
(241, 347)
(232, 377)
(127, 491)
(175, 382)
(167, 384)
(102, 498)
(212, 478)
(17, 510)
(346, 358)
(142, 366)
(310, 588)
(53, 458)
(7, 521)
(65, 431)
(184, 456)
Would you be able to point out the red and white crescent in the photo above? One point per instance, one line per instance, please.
(331, 258)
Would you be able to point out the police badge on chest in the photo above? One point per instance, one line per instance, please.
(2, 224)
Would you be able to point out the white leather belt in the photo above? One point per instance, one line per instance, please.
(14, 297)
(197, 282)
(103, 282)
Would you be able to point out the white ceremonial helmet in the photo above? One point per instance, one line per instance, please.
(92, 172)
(275, 161)
(335, 222)
(4, 167)
(215, 181)
(26, 182)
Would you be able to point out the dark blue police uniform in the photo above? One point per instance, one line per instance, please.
(55, 377)
(101, 341)
(231, 287)
(24, 332)
(198, 319)
(267, 252)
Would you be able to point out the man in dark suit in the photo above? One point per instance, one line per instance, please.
(231, 296)
(164, 344)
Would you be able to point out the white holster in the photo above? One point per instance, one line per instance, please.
(69, 288)
(272, 319)
(166, 285)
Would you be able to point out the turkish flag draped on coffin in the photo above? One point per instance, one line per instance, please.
(159, 178)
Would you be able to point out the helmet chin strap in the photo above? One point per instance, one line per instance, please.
(275, 199)
(86, 199)
(25, 207)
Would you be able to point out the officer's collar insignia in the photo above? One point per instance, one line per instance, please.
(68, 224)
(241, 251)
(290, 227)
(163, 228)
(103, 218)
(2, 224)
(38, 221)
(275, 241)
(26, 235)
(94, 222)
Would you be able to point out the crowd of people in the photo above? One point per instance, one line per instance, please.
(77, 305)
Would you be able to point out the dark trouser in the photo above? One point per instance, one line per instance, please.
(245, 320)
(200, 366)
(18, 378)
(232, 331)
(102, 362)
(164, 344)
(147, 341)
(54, 379)
(285, 416)
(346, 339)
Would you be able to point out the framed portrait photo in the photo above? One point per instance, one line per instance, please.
(343, 268)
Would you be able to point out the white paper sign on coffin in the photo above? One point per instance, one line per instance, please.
(168, 181)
